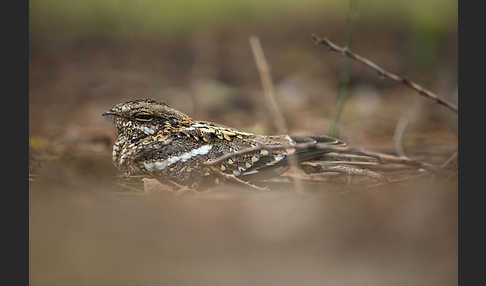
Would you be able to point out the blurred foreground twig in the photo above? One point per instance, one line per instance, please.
(398, 136)
(449, 161)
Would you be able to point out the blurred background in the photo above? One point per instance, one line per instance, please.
(86, 56)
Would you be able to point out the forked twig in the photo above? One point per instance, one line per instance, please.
(384, 73)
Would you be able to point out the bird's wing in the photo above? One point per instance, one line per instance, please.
(274, 162)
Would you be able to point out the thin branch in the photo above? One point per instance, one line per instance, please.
(397, 181)
(349, 157)
(389, 167)
(450, 160)
(269, 92)
(355, 171)
(384, 158)
(233, 178)
(255, 149)
(355, 163)
(346, 168)
(382, 72)
(395, 159)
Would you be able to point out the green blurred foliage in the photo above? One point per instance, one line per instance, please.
(119, 17)
(37, 142)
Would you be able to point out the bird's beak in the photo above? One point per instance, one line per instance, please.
(108, 112)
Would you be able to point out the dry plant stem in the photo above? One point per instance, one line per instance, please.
(354, 171)
(257, 148)
(269, 93)
(345, 168)
(384, 73)
(398, 136)
(397, 181)
(267, 83)
(350, 157)
(350, 163)
(323, 175)
(237, 180)
(394, 159)
(389, 167)
(450, 160)
(322, 146)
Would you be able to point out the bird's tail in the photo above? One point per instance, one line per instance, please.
(323, 161)
(311, 153)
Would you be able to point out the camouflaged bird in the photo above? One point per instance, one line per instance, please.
(158, 141)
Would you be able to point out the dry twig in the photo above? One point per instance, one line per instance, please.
(384, 73)
(384, 158)
(346, 168)
(395, 159)
(257, 148)
(269, 92)
(397, 181)
(267, 83)
(449, 161)
(349, 157)
(234, 179)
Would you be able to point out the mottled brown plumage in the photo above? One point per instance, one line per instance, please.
(158, 141)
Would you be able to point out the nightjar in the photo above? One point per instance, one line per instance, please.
(157, 141)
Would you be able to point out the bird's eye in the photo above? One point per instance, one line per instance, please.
(143, 117)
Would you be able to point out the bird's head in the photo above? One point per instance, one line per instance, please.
(144, 117)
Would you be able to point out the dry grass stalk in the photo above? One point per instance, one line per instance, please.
(269, 93)
(267, 83)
